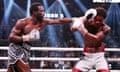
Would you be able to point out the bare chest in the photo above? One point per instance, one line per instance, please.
(92, 44)
(31, 26)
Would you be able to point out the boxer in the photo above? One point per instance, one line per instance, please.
(94, 32)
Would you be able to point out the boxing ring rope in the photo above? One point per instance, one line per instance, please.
(61, 49)
(56, 70)
(58, 58)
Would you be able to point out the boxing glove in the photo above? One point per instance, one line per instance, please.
(32, 36)
(77, 22)
(90, 14)
(82, 29)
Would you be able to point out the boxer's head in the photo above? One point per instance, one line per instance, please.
(101, 12)
(37, 10)
(99, 18)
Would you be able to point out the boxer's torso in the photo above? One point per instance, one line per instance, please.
(30, 25)
(93, 46)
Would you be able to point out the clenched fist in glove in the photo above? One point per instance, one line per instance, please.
(90, 14)
(32, 36)
(78, 24)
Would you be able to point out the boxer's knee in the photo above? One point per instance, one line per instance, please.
(76, 70)
(22, 67)
(103, 70)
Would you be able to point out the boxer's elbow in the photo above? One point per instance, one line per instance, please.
(11, 38)
(14, 38)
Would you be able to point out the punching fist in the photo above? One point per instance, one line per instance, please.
(90, 14)
(76, 23)
(32, 36)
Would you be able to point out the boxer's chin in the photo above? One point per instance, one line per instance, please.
(40, 18)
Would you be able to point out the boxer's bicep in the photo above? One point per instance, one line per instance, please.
(103, 33)
(19, 27)
(15, 35)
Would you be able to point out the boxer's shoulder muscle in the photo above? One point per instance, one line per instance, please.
(21, 23)
(19, 26)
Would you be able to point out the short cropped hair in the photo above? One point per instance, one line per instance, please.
(34, 7)
(101, 12)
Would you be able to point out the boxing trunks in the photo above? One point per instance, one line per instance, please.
(18, 51)
(92, 58)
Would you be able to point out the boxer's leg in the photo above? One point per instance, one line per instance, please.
(22, 67)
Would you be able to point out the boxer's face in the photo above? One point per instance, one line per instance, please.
(98, 21)
(40, 11)
(39, 14)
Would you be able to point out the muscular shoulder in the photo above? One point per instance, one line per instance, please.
(106, 28)
(21, 23)
(18, 27)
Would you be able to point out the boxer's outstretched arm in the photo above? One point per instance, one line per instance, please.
(77, 22)
(59, 21)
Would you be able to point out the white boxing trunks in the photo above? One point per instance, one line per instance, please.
(91, 60)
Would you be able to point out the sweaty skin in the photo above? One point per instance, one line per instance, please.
(20, 34)
(24, 26)
(94, 33)
(95, 37)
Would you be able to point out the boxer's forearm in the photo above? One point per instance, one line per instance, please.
(59, 21)
(65, 20)
(100, 36)
(15, 38)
